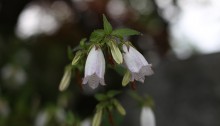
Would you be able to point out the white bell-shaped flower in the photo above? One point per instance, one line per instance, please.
(147, 117)
(95, 68)
(136, 63)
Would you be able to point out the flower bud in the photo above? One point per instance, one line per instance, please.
(66, 78)
(116, 53)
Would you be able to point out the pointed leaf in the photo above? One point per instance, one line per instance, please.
(119, 107)
(113, 93)
(82, 42)
(101, 97)
(97, 118)
(123, 32)
(107, 25)
(97, 35)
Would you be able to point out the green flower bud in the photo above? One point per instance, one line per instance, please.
(126, 78)
(77, 57)
(116, 53)
(66, 78)
(97, 118)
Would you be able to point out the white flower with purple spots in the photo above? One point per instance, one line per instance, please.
(136, 63)
(95, 68)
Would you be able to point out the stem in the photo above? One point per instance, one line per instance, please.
(110, 59)
(133, 85)
(110, 118)
(79, 79)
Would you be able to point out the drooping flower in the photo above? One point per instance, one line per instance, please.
(147, 117)
(95, 68)
(136, 63)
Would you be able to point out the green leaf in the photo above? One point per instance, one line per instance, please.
(97, 118)
(82, 42)
(123, 32)
(113, 93)
(69, 53)
(126, 78)
(97, 35)
(119, 107)
(101, 97)
(107, 25)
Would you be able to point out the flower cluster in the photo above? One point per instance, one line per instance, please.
(133, 60)
(122, 52)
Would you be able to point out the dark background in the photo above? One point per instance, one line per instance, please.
(186, 92)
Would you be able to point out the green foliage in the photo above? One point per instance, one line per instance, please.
(107, 103)
(97, 35)
(113, 93)
(107, 25)
(82, 42)
(101, 97)
(97, 118)
(69, 53)
(119, 107)
(116, 118)
(123, 32)
(110, 94)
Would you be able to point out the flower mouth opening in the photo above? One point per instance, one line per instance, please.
(140, 75)
(93, 81)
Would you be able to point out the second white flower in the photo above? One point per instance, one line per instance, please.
(136, 63)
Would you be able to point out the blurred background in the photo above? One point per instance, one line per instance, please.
(181, 38)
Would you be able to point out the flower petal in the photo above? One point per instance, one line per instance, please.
(95, 68)
(147, 117)
(93, 81)
(136, 63)
(133, 59)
